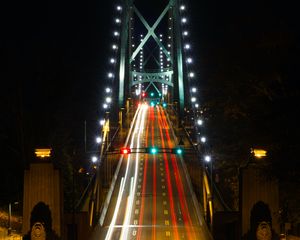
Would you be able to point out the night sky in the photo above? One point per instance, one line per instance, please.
(54, 61)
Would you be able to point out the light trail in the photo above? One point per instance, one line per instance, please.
(138, 131)
(154, 181)
(144, 183)
(178, 179)
(170, 191)
(122, 186)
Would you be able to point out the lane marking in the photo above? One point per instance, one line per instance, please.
(179, 185)
(168, 178)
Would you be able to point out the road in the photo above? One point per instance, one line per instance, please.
(152, 196)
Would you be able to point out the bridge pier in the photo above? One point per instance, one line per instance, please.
(42, 201)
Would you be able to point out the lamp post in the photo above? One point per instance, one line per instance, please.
(207, 159)
(9, 230)
(9, 219)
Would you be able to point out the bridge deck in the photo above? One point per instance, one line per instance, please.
(152, 198)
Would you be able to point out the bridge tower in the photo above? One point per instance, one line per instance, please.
(151, 55)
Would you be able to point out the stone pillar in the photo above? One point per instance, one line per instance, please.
(42, 199)
(258, 193)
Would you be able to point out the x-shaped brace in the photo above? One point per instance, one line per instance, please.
(151, 31)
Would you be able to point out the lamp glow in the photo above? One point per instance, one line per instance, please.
(199, 122)
(110, 75)
(207, 158)
(94, 159)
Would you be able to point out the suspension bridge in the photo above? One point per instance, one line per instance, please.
(142, 188)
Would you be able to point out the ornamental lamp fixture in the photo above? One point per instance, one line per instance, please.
(43, 152)
(259, 153)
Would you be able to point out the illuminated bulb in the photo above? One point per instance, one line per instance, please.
(116, 33)
(193, 99)
(182, 7)
(119, 8)
(207, 158)
(183, 20)
(118, 20)
(189, 60)
(112, 60)
(108, 100)
(203, 139)
(107, 90)
(194, 90)
(196, 105)
(94, 159)
(187, 46)
(114, 46)
(199, 122)
(110, 75)
(105, 105)
(191, 74)
(102, 122)
(185, 33)
(98, 140)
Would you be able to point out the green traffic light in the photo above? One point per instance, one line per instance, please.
(179, 151)
(153, 150)
(164, 105)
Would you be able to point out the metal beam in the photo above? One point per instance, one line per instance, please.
(123, 51)
(179, 62)
(151, 32)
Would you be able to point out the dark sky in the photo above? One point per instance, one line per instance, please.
(54, 57)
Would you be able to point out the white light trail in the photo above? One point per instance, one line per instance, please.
(122, 186)
(138, 129)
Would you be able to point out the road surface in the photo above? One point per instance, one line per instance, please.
(151, 197)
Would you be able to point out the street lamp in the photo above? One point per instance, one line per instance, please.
(207, 159)
(9, 230)
(94, 159)
(98, 139)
